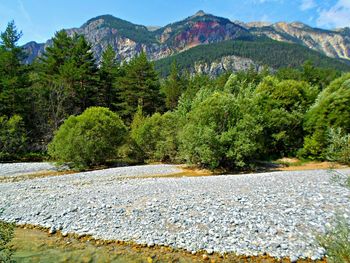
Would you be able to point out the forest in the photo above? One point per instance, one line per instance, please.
(66, 108)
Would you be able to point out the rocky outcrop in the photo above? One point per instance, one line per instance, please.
(225, 64)
(33, 50)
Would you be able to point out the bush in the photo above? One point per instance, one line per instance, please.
(88, 139)
(339, 146)
(156, 136)
(284, 103)
(221, 131)
(12, 137)
(331, 109)
(337, 242)
(6, 235)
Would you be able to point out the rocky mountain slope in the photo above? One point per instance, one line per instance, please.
(129, 39)
(231, 55)
(334, 44)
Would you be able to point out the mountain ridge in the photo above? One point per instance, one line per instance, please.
(129, 39)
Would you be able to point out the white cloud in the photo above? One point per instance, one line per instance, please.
(307, 4)
(336, 16)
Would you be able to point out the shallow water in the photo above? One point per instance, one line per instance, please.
(34, 245)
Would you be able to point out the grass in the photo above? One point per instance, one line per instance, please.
(337, 242)
(6, 235)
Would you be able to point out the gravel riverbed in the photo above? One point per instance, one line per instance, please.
(15, 169)
(277, 213)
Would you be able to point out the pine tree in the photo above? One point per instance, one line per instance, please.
(139, 83)
(109, 71)
(173, 87)
(13, 74)
(67, 80)
(85, 73)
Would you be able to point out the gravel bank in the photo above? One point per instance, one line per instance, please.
(15, 169)
(276, 213)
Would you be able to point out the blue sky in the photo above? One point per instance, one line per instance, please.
(40, 19)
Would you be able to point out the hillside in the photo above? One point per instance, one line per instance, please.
(217, 58)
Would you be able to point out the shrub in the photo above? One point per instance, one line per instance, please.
(88, 139)
(221, 131)
(339, 146)
(284, 103)
(12, 137)
(156, 135)
(6, 235)
(337, 242)
(331, 109)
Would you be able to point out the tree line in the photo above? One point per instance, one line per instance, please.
(66, 106)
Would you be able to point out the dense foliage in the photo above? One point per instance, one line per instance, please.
(138, 85)
(231, 121)
(331, 110)
(88, 139)
(12, 137)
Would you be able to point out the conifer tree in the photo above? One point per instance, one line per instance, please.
(173, 87)
(13, 74)
(109, 71)
(139, 83)
(67, 80)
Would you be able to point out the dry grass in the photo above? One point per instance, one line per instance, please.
(294, 164)
(42, 174)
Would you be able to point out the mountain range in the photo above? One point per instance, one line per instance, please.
(212, 44)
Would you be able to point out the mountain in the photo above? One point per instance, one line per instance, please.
(334, 44)
(204, 29)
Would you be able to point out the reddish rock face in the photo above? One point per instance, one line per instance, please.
(204, 30)
(200, 33)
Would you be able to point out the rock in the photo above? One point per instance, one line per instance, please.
(210, 251)
(294, 259)
(52, 230)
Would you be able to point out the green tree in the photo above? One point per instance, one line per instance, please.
(173, 87)
(13, 137)
(14, 95)
(88, 139)
(66, 81)
(140, 83)
(109, 72)
(156, 135)
(331, 110)
(283, 104)
(221, 131)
